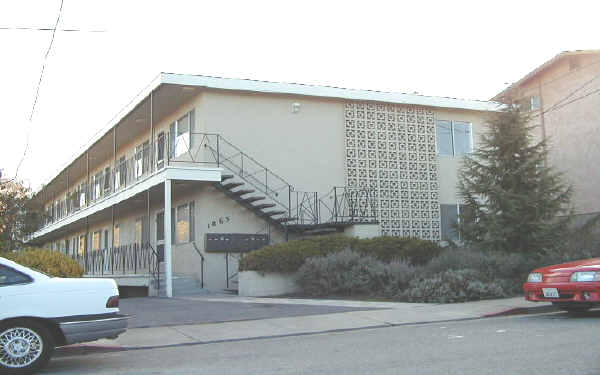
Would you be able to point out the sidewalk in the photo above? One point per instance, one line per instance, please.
(372, 315)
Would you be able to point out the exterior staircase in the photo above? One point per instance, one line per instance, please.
(261, 205)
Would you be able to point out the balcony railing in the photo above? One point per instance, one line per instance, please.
(134, 259)
(129, 170)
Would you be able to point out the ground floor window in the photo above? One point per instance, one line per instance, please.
(117, 236)
(449, 219)
(141, 230)
(183, 223)
(82, 245)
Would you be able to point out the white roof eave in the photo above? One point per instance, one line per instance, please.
(326, 92)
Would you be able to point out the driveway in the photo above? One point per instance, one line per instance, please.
(155, 312)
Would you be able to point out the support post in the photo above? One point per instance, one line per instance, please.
(168, 240)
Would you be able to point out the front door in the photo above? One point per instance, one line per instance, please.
(160, 235)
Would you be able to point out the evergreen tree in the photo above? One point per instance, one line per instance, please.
(513, 201)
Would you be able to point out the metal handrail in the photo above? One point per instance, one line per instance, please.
(201, 264)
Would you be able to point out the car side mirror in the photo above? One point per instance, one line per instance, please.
(3, 279)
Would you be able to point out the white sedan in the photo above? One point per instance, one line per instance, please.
(39, 313)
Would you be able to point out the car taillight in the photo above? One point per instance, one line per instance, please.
(113, 302)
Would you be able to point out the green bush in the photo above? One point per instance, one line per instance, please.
(289, 256)
(451, 286)
(413, 250)
(351, 273)
(50, 262)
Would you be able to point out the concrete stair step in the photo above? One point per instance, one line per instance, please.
(243, 192)
(232, 185)
(264, 205)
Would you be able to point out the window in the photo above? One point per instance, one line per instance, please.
(9, 276)
(97, 186)
(530, 103)
(96, 241)
(449, 219)
(454, 138)
(141, 230)
(142, 159)
(106, 179)
(82, 195)
(120, 173)
(81, 249)
(160, 150)
(181, 134)
(183, 223)
(67, 247)
(75, 246)
(105, 239)
(117, 236)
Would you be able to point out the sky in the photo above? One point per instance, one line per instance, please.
(462, 49)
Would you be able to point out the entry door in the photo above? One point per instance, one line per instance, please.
(160, 235)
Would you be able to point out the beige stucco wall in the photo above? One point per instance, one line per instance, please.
(573, 131)
(305, 148)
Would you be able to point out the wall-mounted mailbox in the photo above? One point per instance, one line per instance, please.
(235, 242)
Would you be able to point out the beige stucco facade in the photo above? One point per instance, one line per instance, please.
(567, 89)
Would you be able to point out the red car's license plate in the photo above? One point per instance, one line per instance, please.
(550, 292)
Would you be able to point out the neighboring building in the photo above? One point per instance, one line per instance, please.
(201, 169)
(563, 95)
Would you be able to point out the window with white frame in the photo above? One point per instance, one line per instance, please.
(450, 218)
(142, 161)
(181, 131)
(454, 138)
(529, 103)
(182, 223)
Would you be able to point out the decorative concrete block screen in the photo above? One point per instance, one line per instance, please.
(392, 149)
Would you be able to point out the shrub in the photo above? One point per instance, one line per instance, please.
(451, 286)
(350, 273)
(413, 250)
(50, 262)
(289, 256)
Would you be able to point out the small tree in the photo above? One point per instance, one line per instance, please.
(513, 200)
(18, 216)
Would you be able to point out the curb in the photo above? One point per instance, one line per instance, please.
(523, 311)
(84, 349)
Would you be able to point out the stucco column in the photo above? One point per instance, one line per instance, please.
(168, 240)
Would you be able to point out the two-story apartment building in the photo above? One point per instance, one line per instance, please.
(563, 97)
(197, 170)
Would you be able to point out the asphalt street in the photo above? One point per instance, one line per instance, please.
(156, 312)
(531, 344)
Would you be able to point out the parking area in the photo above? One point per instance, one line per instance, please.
(156, 312)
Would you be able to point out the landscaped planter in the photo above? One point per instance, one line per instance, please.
(255, 284)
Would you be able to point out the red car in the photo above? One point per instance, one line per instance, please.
(573, 286)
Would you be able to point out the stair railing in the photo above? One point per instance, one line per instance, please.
(201, 264)
(257, 175)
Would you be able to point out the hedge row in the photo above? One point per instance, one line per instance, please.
(289, 256)
(49, 262)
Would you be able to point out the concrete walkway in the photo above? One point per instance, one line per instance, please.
(377, 315)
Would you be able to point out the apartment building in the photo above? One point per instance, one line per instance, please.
(198, 170)
(563, 97)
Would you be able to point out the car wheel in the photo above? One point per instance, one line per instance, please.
(25, 347)
(573, 307)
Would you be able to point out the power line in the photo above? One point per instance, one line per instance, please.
(48, 29)
(37, 91)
